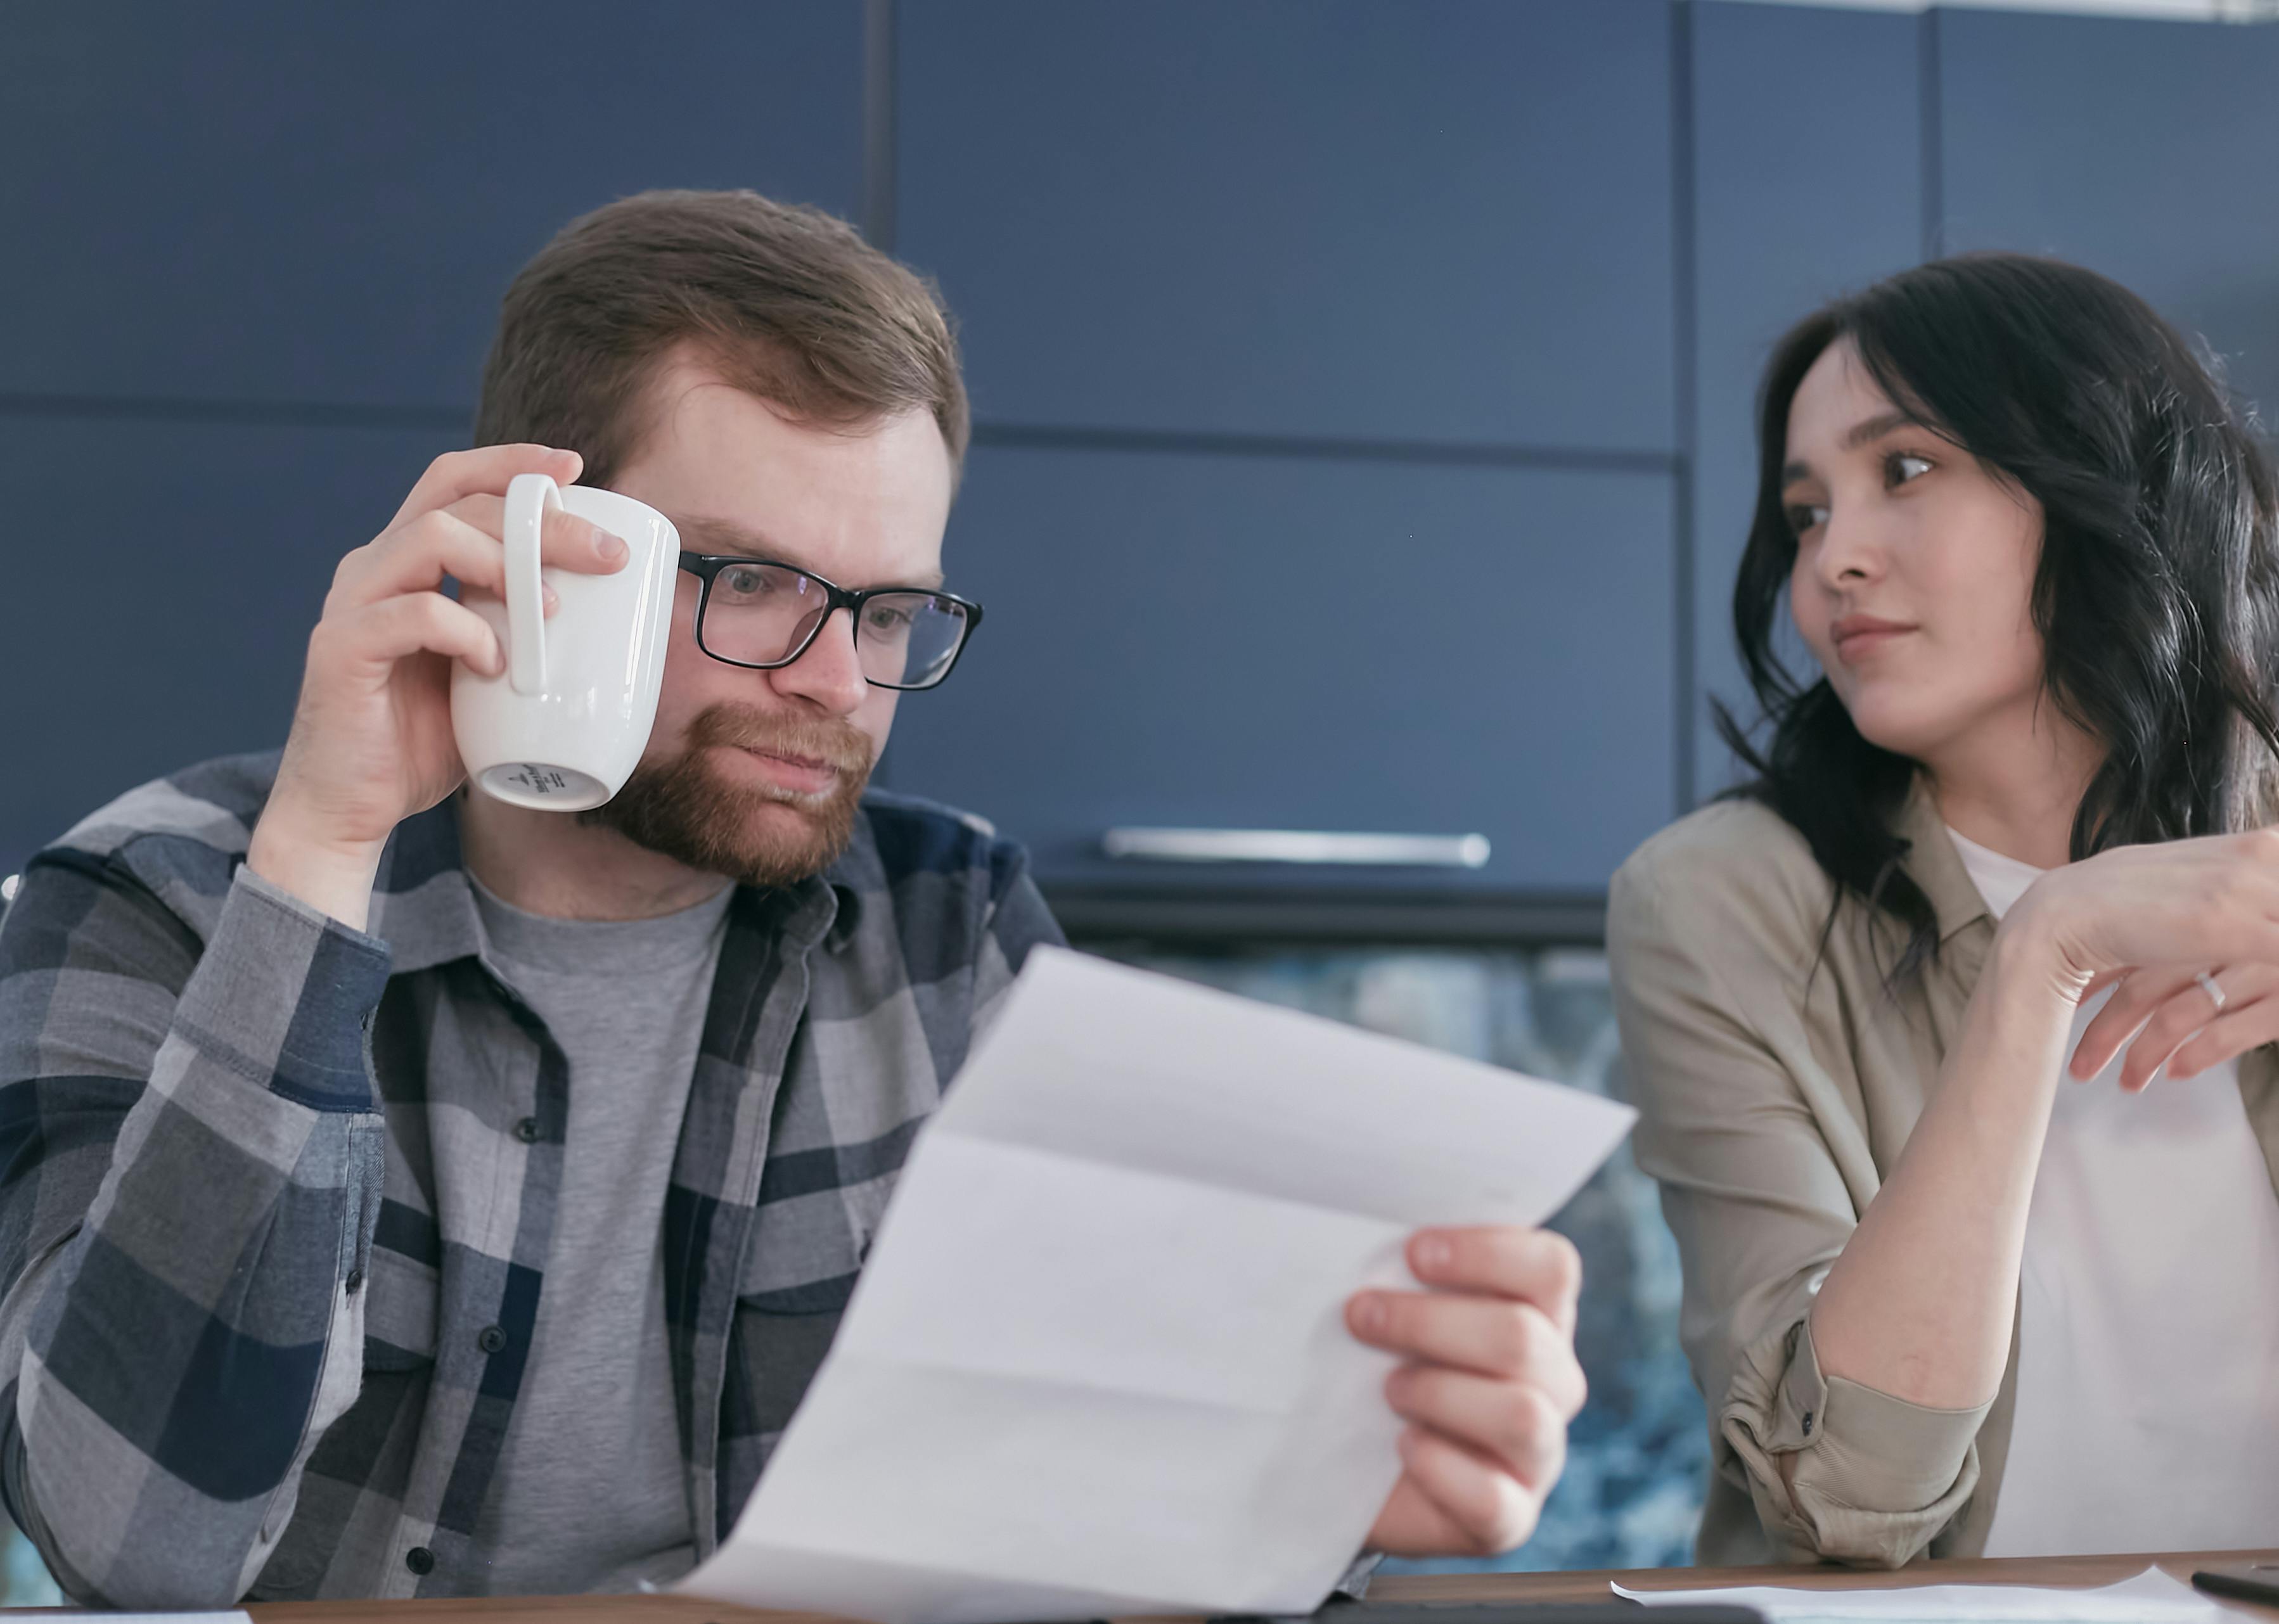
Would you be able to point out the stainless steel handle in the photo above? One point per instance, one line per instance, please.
(1407, 851)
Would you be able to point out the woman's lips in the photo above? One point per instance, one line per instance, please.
(1857, 636)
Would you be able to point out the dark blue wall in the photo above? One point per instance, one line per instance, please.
(1362, 386)
(249, 259)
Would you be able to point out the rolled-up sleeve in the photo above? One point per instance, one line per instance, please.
(1709, 1003)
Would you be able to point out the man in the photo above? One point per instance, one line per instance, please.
(405, 1194)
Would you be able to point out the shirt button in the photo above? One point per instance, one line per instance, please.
(419, 1559)
(526, 1130)
(491, 1339)
(356, 1281)
(1808, 1423)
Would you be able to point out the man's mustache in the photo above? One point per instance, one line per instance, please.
(837, 744)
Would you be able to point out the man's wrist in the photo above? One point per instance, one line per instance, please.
(333, 879)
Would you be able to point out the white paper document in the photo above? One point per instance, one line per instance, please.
(2151, 1597)
(1097, 1362)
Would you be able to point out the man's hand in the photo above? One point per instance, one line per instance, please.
(371, 742)
(1488, 1388)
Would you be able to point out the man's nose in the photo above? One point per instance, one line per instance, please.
(828, 674)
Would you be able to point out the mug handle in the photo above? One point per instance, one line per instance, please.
(528, 496)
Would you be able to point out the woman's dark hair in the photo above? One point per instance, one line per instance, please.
(2157, 591)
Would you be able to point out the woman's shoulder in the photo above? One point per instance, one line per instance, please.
(1735, 869)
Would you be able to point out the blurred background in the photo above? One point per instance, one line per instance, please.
(1363, 393)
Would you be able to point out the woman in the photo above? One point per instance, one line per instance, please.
(1946, 1029)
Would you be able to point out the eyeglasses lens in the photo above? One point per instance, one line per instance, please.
(758, 614)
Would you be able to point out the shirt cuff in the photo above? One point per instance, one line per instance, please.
(284, 996)
(1874, 1479)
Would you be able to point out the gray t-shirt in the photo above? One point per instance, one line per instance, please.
(591, 1492)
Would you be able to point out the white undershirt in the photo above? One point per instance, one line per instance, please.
(2148, 1343)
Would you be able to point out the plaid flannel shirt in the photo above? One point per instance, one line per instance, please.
(276, 1195)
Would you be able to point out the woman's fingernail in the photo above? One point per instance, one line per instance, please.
(553, 599)
(1435, 1254)
(1368, 1313)
(608, 548)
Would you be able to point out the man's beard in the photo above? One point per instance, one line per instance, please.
(682, 806)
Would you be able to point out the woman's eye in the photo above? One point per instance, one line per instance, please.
(1803, 516)
(1902, 468)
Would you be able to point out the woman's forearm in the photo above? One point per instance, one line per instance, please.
(1921, 1303)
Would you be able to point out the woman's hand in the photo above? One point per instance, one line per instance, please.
(2177, 1020)
(2149, 921)
(2181, 905)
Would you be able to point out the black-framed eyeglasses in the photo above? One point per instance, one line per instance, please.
(762, 615)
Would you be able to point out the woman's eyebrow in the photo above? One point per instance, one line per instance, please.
(1876, 427)
(1859, 434)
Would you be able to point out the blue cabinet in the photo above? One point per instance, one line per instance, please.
(1336, 219)
(2146, 151)
(1292, 643)
(279, 201)
(1324, 357)
(1807, 148)
(161, 582)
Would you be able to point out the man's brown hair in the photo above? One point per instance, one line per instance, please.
(789, 304)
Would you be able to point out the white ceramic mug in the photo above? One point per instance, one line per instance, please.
(564, 726)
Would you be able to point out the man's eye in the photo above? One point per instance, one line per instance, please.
(1803, 516)
(1901, 468)
(743, 583)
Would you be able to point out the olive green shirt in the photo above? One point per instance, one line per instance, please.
(1776, 1086)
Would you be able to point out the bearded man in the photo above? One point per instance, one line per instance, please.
(405, 1194)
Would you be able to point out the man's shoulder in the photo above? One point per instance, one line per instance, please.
(201, 816)
(181, 838)
(915, 836)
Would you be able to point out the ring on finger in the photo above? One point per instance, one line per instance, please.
(2209, 985)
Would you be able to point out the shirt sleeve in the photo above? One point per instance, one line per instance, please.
(191, 1159)
(1760, 1210)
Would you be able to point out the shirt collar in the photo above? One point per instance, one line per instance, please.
(1934, 864)
(423, 905)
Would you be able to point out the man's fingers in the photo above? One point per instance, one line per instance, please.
(1487, 1336)
(1534, 1266)
(416, 558)
(1514, 1423)
(1485, 1507)
(485, 468)
(382, 633)
(563, 539)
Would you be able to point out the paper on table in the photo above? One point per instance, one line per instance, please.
(2152, 1597)
(1097, 1364)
